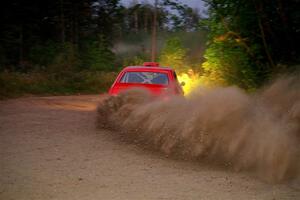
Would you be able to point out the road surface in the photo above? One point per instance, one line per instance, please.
(50, 148)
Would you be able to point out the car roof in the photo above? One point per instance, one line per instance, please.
(147, 68)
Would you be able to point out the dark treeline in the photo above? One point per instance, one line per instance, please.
(68, 46)
(35, 33)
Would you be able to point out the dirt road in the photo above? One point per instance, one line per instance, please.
(51, 149)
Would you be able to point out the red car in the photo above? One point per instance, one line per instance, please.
(158, 80)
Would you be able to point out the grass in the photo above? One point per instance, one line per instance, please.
(15, 84)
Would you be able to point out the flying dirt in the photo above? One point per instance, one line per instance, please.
(257, 132)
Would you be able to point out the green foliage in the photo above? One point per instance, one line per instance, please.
(98, 56)
(66, 60)
(43, 55)
(230, 58)
(108, 15)
(135, 60)
(227, 63)
(174, 55)
(67, 46)
(14, 84)
(2, 59)
(250, 40)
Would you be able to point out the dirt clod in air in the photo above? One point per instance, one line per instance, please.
(258, 132)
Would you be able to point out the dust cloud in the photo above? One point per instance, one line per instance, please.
(255, 132)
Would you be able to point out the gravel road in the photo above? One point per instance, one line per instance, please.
(50, 148)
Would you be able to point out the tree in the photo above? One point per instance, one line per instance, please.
(107, 14)
(248, 39)
(98, 56)
(184, 18)
(174, 55)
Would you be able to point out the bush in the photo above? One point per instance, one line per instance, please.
(98, 56)
(15, 84)
(43, 54)
(228, 64)
(67, 60)
(135, 60)
(174, 55)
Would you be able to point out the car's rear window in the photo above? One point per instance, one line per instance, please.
(145, 78)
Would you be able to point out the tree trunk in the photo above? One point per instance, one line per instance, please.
(262, 31)
(154, 33)
(136, 22)
(146, 22)
(21, 47)
(62, 22)
(284, 20)
(75, 14)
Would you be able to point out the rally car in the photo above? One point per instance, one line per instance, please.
(150, 76)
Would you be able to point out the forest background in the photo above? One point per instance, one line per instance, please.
(54, 47)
